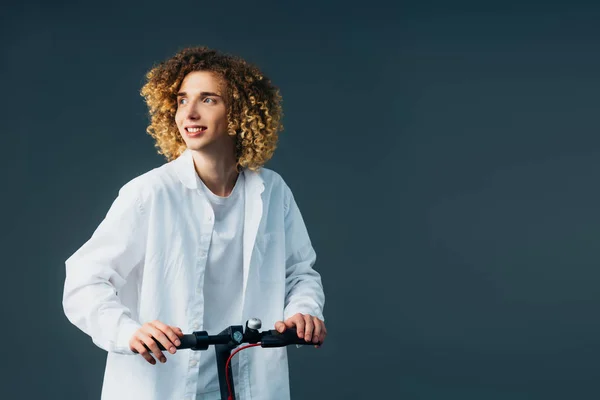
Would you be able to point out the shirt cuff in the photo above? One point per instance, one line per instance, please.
(126, 331)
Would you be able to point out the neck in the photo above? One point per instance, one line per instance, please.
(218, 173)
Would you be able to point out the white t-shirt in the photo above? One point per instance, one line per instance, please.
(222, 280)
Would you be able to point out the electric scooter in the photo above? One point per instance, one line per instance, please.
(230, 338)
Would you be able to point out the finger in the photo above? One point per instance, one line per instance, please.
(166, 336)
(151, 343)
(139, 347)
(178, 332)
(280, 326)
(323, 334)
(291, 321)
(298, 320)
(309, 327)
(169, 333)
(318, 330)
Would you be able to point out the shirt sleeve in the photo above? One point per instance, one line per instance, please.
(96, 272)
(304, 289)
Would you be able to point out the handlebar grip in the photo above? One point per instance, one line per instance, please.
(187, 342)
(275, 339)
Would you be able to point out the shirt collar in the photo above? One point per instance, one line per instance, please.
(184, 168)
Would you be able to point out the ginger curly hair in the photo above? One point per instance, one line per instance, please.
(253, 104)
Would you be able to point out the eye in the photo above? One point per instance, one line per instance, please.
(182, 100)
(212, 101)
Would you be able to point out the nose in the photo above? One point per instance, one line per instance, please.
(193, 113)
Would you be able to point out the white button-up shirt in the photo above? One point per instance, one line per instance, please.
(146, 260)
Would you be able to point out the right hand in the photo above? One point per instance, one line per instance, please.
(167, 335)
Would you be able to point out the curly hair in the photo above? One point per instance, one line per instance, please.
(253, 104)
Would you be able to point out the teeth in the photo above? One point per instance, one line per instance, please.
(194, 130)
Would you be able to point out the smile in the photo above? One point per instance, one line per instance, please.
(195, 129)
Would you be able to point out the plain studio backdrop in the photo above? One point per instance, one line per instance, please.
(446, 160)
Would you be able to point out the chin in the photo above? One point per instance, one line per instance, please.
(196, 147)
(199, 145)
(198, 142)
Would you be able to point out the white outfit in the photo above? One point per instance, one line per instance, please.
(148, 260)
(222, 281)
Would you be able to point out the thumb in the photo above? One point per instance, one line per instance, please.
(290, 323)
(280, 326)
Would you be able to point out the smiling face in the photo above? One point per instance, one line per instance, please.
(201, 115)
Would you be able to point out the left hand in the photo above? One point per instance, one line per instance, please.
(308, 327)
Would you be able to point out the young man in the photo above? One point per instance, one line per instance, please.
(208, 240)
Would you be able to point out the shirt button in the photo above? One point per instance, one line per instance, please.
(210, 218)
(196, 326)
(193, 363)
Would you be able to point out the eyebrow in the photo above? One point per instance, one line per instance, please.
(202, 94)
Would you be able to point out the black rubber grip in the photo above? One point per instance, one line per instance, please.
(276, 339)
(187, 342)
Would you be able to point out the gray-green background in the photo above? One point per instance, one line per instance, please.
(446, 159)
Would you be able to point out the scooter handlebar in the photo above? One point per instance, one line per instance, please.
(270, 338)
